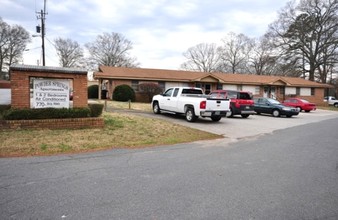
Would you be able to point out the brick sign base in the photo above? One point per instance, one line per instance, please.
(66, 123)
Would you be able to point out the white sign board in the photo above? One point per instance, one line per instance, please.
(5, 96)
(50, 93)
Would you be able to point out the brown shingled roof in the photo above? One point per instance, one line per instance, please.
(107, 72)
(149, 74)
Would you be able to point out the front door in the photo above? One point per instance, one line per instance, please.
(266, 92)
(207, 88)
(273, 92)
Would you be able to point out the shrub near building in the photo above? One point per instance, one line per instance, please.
(123, 93)
(93, 92)
(93, 110)
(3, 109)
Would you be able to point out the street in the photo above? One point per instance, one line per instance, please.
(288, 173)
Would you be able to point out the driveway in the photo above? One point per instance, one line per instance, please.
(240, 128)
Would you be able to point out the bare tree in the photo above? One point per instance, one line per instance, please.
(4, 30)
(263, 58)
(235, 53)
(308, 34)
(203, 57)
(13, 41)
(111, 50)
(70, 52)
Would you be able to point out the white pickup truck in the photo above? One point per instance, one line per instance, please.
(191, 102)
(331, 101)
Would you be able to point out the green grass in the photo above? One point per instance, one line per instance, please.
(120, 131)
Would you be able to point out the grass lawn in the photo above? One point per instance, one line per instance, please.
(127, 105)
(330, 108)
(121, 131)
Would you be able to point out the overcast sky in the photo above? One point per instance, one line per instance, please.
(160, 30)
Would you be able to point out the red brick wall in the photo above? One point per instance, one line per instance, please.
(317, 98)
(80, 92)
(141, 97)
(21, 91)
(121, 82)
(66, 123)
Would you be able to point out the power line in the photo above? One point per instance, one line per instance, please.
(49, 49)
(50, 42)
(42, 16)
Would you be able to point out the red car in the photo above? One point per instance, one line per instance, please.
(300, 104)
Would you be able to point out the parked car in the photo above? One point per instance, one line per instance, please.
(273, 107)
(300, 104)
(191, 102)
(241, 102)
(331, 100)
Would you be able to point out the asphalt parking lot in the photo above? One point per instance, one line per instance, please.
(238, 128)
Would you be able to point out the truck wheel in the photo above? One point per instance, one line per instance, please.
(230, 113)
(335, 105)
(244, 115)
(275, 113)
(216, 118)
(190, 115)
(156, 108)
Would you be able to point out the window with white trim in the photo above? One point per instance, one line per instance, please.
(134, 85)
(257, 90)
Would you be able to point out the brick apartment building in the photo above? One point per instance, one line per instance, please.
(278, 87)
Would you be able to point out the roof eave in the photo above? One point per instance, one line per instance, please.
(141, 78)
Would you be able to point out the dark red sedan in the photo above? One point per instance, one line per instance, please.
(300, 104)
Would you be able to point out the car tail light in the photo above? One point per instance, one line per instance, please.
(250, 102)
(203, 105)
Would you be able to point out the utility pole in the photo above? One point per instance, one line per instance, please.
(42, 15)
